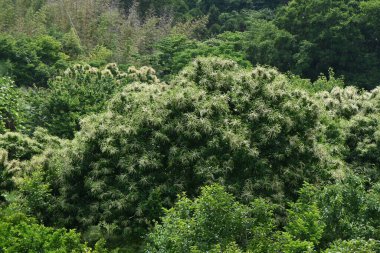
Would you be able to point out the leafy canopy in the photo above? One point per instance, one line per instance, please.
(216, 122)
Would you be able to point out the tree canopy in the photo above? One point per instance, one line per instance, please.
(237, 126)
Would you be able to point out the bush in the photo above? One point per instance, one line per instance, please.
(357, 246)
(195, 225)
(19, 233)
(32, 60)
(11, 108)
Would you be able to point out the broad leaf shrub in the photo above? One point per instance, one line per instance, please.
(217, 222)
(19, 233)
(196, 225)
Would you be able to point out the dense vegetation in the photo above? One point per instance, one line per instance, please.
(189, 126)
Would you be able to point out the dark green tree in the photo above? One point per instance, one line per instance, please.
(32, 61)
(175, 52)
(333, 34)
(192, 226)
(19, 233)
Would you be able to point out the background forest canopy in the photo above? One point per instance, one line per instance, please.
(190, 126)
(40, 37)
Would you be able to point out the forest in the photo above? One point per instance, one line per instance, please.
(189, 126)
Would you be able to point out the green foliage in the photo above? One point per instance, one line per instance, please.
(99, 56)
(35, 194)
(32, 60)
(333, 34)
(263, 227)
(5, 182)
(11, 107)
(19, 233)
(23, 17)
(16, 153)
(288, 244)
(269, 162)
(224, 15)
(304, 220)
(356, 113)
(347, 210)
(268, 44)
(71, 44)
(176, 52)
(194, 226)
(215, 122)
(19, 146)
(328, 83)
(167, 60)
(80, 91)
(303, 37)
(345, 103)
(363, 139)
(357, 246)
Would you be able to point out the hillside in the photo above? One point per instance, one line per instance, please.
(189, 126)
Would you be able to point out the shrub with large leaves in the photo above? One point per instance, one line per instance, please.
(195, 225)
(19, 233)
(216, 222)
(348, 209)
